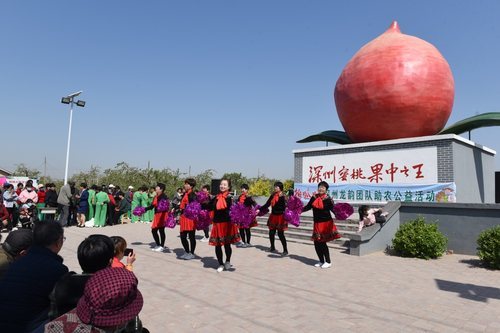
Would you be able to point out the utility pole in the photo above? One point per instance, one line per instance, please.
(45, 169)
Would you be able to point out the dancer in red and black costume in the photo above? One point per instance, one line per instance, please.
(188, 226)
(224, 233)
(276, 221)
(249, 202)
(324, 229)
(159, 219)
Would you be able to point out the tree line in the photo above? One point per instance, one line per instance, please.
(124, 175)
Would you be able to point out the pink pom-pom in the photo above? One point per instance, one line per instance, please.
(139, 211)
(163, 205)
(262, 211)
(170, 222)
(202, 196)
(292, 217)
(295, 204)
(342, 210)
(241, 215)
(192, 210)
(204, 220)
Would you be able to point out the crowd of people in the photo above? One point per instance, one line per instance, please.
(40, 294)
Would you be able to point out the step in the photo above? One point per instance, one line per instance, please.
(308, 227)
(300, 237)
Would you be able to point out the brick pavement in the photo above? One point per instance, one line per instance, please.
(267, 293)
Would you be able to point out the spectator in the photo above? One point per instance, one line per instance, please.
(64, 201)
(50, 200)
(20, 187)
(16, 245)
(94, 253)
(122, 208)
(28, 193)
(26, 286)
(83, 205)
(9, 200)
(368, 216)
(4, 218)
(120, 246)
(110, 301)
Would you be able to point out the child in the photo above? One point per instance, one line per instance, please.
(224, 233)
(159, 218)
(276, 221)
(367, 216)
(188, 226)
(120, 246)
(324, 229)
(249, 202)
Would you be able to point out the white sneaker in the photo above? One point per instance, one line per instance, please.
(248, 245)
(184, 256)
(227, 265)
(190, 256)
(220, 268)
(14, 229)
(155, 248)
(326, 265)
(158, 249)
(204, 240)
(318, 264)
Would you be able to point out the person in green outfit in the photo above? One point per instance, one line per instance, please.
(101, 209)
(91, 211)
(149, 215)
(136, 202)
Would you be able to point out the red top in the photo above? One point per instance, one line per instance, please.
(117, 263)
(41, 196)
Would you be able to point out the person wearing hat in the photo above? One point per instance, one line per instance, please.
(15, 246)
(110, 301)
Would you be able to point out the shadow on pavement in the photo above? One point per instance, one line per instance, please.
(469, 291)
(305, 260)
(474, 263)
(210, 262)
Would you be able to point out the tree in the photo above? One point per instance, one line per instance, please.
(23, 170)
(261, 187)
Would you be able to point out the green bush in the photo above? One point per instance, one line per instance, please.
(419, 240)
(488, 247)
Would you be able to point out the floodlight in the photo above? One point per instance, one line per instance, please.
(65, 100)
(80, 103)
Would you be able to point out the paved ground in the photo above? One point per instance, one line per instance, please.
(267, 293)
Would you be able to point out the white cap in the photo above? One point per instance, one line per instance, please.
(130, 187)
(111, 185)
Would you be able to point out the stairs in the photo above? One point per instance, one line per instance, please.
(302, 234)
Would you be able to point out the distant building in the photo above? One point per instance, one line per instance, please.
(5, 173)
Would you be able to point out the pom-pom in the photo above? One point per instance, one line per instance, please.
(192, 210)
(139, 211)
(163, 205)
(202, 196)
(295, 204)
(203, 220)
(170, 222)
(292, 217)
(242, 215)
(262, 211)
(342, 210)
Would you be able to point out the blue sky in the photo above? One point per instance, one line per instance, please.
(226, 85)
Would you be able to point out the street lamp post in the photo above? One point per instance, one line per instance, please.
(70, 99)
